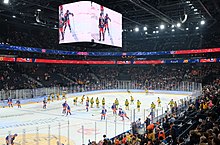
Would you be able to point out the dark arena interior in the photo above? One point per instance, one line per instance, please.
(110, 72)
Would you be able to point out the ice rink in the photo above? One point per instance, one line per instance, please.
(31, 116)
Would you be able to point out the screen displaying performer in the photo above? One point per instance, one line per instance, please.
(86, 21)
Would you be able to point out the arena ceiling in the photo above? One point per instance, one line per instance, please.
(136, 13)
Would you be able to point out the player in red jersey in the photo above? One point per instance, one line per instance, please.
(101, 27)
(67, 20)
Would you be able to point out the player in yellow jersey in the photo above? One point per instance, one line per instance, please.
(82, 99)
(116, 103)
(97, 102)
(64, 96)
(75, 100)
(126, 104)
(48, 99)
(138, 105)
(132, 100)
(91, 102)
(103, 102)
(87, 99)
(171, 103)
(52, 96)
(152, 106)
(158, 102)
(58, 96)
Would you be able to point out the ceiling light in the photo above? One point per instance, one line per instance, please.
(6, 1)
(187, 2)
(157, 27)
(154, 32)
(146, 33)
(178, 25)
(13, 16)
(187, 29)
(136, 29)
(202, 22)
(192, 7)
(38, 10)
(145, 28)
(190, 4)
(195, 10)
(172, 26)
(173, 30)
(131, 30)
(197, 28)
(157, 31)
(162, 27)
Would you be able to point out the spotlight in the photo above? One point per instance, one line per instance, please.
(38, 10)
(173, 30)
(202, 22)
(172, 26)
(154, 32)
(13, 16)
(197, 28)
(192, 7)
(145, 28)
(188, 2)
(162, 27)
(131, 30)
(157, 27)
(195, 10)
(136, 29)
(157, 31)
(6, 1)
(146, 33)
(178, 25)
(187, 29)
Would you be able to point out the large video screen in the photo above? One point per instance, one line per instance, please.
(87, 21)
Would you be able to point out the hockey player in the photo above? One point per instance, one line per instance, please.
(122, 114)
(18, 103)
(48, 99)
(87, 105)
(68, 110)
(103, 102)
(114, 108)
(58, 96)
(152, 106)
(64, 107)
(97, 102)
(75, 101)
(103, 113)
(106, 23)
(82, 99)
(126, 104)
(10, 139)
(67, 20)
(10, 102)
(171, 103)
(138, 105)
(132, 100)
(116, 102)
(44, 104)
(91, 102)
(101, 27)
(52, 96)
(158, 102)
(87, 99)
(64, 96)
